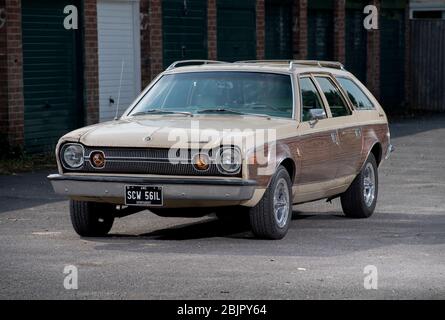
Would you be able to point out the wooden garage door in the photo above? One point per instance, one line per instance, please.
(320, 30)
(278, 29)
(184, 25)
(51, 74)
(392, 61)
(355, 39)
(236, 30)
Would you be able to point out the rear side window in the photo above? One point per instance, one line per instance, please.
(333, 96)
(355, 94)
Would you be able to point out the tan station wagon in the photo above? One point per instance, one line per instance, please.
(240, 140)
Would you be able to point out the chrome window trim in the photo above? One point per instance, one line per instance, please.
(334, 83)
(309, 75)
(130, 109)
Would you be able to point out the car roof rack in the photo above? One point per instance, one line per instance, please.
(284, 61)
(317, 63)
(293, 63)
(183, 63)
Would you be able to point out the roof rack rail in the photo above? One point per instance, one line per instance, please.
(292, 63)
(316, 63)
(183, 63)
(264, 61)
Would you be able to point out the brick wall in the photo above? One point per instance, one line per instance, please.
(3, 77)
(211, 30)
(155, 26)
(11, 66)
(260, 29)
(339, 31)
(11, 60)
(299, 29)
(91, 63)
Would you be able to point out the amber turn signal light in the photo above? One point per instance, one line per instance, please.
(201, 161)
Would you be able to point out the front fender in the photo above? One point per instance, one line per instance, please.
(264, 161)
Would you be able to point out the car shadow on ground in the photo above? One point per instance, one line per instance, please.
(311, 234)
(210, 228)
(214, 228)
(397, 223)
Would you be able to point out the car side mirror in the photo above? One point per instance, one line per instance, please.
(317, 114)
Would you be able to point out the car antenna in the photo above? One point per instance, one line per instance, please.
(119, 92)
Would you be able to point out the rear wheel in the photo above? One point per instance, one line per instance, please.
(270, 218)
(91, 219)
(360, 199)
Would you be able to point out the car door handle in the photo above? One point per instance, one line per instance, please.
(334, 137)
(358, 132)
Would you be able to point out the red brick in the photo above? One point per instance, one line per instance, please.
(91, 81)
(339, 31)
(260, 29)
(299, 39)
(211, 30)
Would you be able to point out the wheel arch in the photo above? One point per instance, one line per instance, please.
(289, 165)
(377, 151)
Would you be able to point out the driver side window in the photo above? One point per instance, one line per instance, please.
(311, 103)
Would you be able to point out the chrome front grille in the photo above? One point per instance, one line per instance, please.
(146, 161)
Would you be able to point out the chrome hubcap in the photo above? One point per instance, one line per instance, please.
(369, 185)
(281, 203)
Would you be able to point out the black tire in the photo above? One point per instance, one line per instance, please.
(262, 218)
(353, 200)
(91, 219)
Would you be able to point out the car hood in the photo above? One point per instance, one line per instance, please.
(181, 131)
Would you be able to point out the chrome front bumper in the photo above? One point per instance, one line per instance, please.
(174, 189)
(389, 151)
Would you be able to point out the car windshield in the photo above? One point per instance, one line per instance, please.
(219, 93)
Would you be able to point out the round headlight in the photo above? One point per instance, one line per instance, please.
(72, 155)
(229, 160)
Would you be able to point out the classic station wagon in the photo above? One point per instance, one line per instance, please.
(243, 140)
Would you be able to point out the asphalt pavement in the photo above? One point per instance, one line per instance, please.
(324, 255)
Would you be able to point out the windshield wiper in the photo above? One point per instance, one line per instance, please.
(224, 110)
(154, 111)
(220, 110)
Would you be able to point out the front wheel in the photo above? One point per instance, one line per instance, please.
(91, 219)
(360, 199)
(270, 218)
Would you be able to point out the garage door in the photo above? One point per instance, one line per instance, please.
(236, 29)
(278, 29)
(392, 53)
(355, 38)
(119, 41)
(320, 30)
(52, 92)
(184, 25)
